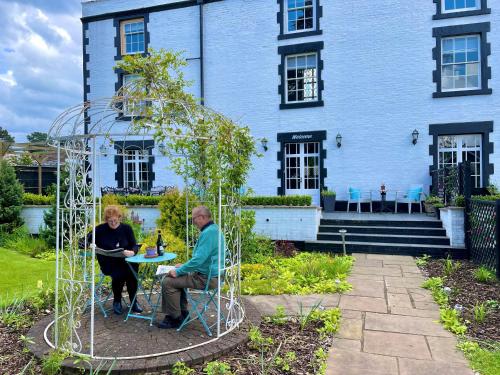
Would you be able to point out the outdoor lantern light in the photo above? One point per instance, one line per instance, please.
(338, 138)
(103, 150)
(263, 141)
(414, 135)
(161, 148)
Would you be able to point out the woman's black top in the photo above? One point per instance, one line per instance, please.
(108, 239)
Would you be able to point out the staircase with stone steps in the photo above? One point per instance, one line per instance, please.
(398, 236)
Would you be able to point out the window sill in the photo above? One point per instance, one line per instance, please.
(448, 94)
(300, 35)
(318, 103)
(466, 13)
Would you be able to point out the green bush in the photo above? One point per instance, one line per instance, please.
(432, 199)
(280, 200)
(23, 242)
(11, 198)
(486, 197)
(172, 207)
(328, 193)
(38, 199)
(459, 201)
(484, 275)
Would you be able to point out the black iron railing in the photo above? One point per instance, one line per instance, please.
(450, 181)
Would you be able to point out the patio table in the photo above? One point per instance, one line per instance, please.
(139, 275)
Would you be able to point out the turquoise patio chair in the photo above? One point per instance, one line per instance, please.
(200, 301)
(415, 194)
(357, 196)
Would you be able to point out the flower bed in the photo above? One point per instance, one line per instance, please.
(469, 297)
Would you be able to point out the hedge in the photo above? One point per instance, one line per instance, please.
(38, 200)
(486, 197)
(280, 200)
(139, 200)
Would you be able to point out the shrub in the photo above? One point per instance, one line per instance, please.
(459, 201)
(484, 275)
(280, 200)
(256, 248)
(172, 207)
(11, 198)
(23, 242)
(328, 193)
(38, 199)
(285, 249)
(138, 200)
(433, 200)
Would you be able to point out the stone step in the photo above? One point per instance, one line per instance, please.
(386, 238)
(385, 248)
(422, 231)
(384, 223)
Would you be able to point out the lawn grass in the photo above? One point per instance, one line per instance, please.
(20, 274)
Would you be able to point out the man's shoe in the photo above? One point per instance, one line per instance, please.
(169, 323)
(136, 308)
(117, 308)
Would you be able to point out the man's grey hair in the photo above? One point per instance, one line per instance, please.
(203, 210)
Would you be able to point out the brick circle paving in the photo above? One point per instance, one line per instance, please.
(113, 337)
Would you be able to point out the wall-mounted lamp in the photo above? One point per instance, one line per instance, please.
(263, 142)
(414, 136)
(161, 148)
(338, 138)
(103, 150)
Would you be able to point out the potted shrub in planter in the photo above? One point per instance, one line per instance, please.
(328, 200)
(432, 205)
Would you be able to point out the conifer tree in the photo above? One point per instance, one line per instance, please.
(11, 198)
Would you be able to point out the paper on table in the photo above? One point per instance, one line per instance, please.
(163, 269)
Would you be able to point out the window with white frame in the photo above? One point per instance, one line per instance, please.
(136, 168)
(454, 149)
(130, 107)
(132, 36)
(460, 63)
(302, 78)
(300, 15)
(460, 5)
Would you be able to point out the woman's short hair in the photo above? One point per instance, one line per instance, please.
(112, 211)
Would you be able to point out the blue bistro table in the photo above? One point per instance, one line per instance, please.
(140, 259)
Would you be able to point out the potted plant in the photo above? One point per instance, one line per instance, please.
(328, 200)
(148, 245)
(432, 205)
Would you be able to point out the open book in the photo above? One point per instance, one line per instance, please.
(163, 269)
(117, 253)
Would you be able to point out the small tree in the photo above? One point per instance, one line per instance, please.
(5, 136)
(11, 198)
(37, 137)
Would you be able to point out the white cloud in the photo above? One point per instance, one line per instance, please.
(8, 78)
(40, 62)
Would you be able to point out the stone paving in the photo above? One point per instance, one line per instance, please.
(389, 323)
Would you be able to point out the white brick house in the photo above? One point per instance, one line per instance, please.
(336, 87)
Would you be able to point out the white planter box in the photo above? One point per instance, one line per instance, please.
(453, 222)
(33, 217)
(287, 223)
(147, 213)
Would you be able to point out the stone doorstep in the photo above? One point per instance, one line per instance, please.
(396, 344)
(423, 367)
(404, 324)
(349, 362)
(363, 303)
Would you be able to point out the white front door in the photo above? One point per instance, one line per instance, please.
(454, 149)
(302, 170)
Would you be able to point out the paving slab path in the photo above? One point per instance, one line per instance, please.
(394, 328)
(389, 322)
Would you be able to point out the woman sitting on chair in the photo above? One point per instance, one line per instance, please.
(111, 235)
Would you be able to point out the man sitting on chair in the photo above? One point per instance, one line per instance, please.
(194, 273)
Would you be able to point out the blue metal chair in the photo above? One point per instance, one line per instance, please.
(357, 196)
(415, 194)
(200, 303)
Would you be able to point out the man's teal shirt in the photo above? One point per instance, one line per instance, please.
(206, 253)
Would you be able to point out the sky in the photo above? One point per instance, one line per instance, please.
(40, 63)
